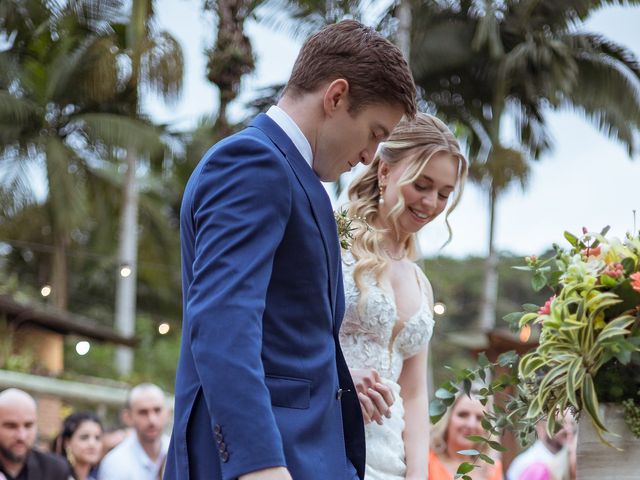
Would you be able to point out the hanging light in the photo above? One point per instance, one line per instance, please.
(439, 308)
(45, 291)
(83, 347)
(125, 271)
(164, 328)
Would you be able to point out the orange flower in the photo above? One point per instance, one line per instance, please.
(591, 252)
(635, 281)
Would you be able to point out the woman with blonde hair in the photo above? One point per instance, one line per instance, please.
(449, 436)
(417, 174)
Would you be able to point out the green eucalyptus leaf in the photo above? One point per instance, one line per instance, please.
(483, 361)
(468, 452)
(496, 446)
(436, 410)
(465, 467)
(487, 458)
(477, 438)
(443, 394)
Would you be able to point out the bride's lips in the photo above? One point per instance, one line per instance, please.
(418, 218)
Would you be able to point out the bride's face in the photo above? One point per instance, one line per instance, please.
(426, 197)
(465, 420)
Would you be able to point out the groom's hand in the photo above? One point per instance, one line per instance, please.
(276, 473)
(375, 397)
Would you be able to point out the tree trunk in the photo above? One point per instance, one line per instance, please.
(127, 258)
(404, 29)
(490, 291)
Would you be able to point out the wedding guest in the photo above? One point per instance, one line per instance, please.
(80, 442)
(417, 174)
(550, 457)
(449, 436)
(18, 459)
(262, 388)
(142, 454)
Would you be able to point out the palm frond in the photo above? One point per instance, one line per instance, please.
(67, 194)
(114, 130)
(162, 66)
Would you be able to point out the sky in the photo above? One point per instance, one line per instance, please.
(586, 181)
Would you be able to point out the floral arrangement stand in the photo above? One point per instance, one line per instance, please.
(597, 461)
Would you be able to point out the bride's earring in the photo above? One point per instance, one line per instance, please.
(381, 196)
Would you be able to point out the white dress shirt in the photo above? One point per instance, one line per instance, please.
(286, 123)
(129, 461)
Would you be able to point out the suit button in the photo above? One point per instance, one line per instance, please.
(339, 394)
(224, 456)
(222, 447)
(217, 429)
(218, 437)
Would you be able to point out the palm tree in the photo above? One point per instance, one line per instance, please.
(487, 64)
(58, 90)
(156, 65)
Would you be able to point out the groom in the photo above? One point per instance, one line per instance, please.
(262, 388)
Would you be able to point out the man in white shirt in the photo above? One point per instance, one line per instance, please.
(142, 454)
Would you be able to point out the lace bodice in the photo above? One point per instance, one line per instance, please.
(366, 332)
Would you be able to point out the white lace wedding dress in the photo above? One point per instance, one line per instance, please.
(366, 340)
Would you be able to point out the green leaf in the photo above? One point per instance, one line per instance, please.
(496, 446)
(590, 403)
(507, 359)
(470, 452)
(539, 281)
(465, 467)
(436, 410)
(477, 438)
(530, 307)
(572, 239)
(487, 458)
(608, 281)
(483, 361)
(444, 394)
(513, 318)
(628, 265)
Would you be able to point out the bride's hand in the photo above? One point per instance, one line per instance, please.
(375, 397)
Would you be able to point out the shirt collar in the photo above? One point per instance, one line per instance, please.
(286, 123)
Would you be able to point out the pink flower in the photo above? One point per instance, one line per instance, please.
(546, 308)
(614, 270)
(635, 281)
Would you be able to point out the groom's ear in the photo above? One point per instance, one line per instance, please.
(336, 96)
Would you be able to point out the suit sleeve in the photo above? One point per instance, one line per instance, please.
(241, 204)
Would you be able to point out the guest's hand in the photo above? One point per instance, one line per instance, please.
(375, 397)
(276, 473)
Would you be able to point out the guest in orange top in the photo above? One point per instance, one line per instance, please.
(449, 436)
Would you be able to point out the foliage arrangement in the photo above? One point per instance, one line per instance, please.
(588, 350)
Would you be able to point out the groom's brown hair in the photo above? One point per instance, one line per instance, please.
(375, 68)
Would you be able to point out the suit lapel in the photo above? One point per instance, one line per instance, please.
(317, 195)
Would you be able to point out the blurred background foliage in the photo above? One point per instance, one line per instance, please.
(71, 76)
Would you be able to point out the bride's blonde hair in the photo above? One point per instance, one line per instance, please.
(415, 141)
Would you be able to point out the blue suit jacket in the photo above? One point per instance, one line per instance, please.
(261, 380)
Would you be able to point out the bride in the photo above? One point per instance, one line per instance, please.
(388, 322)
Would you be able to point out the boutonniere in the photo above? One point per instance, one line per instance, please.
(346, 227)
